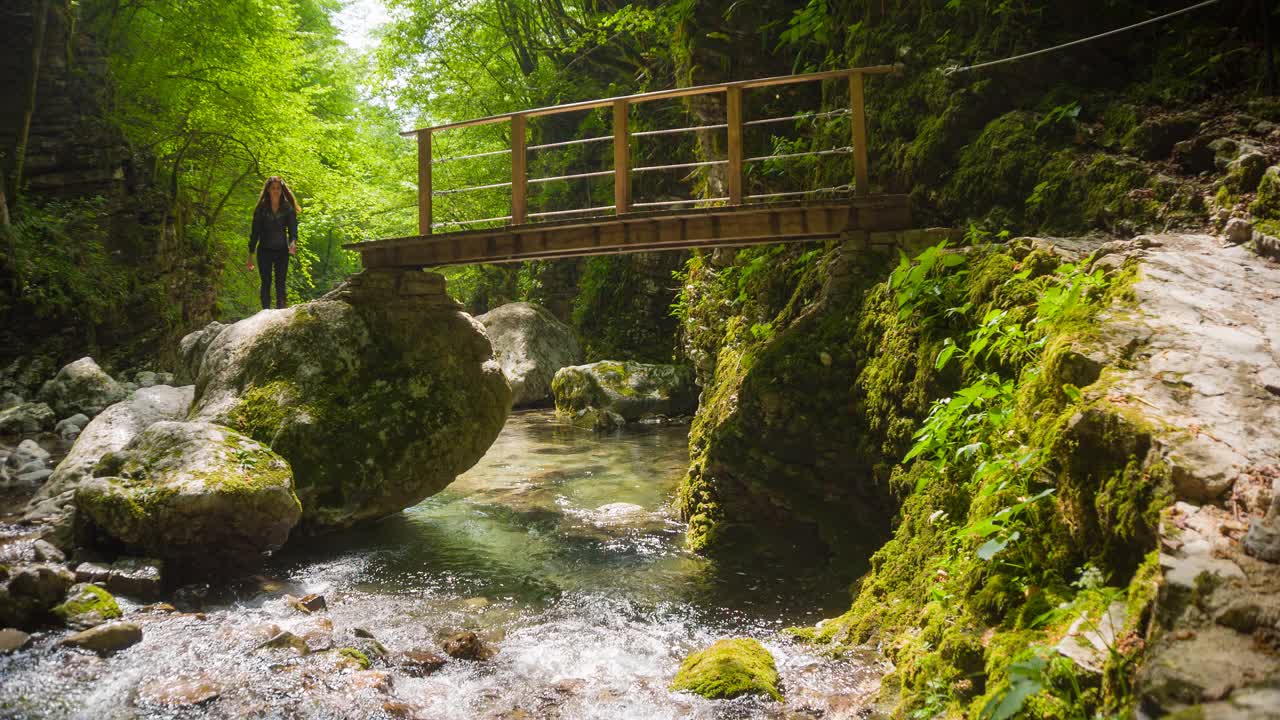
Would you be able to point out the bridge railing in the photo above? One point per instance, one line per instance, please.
(622, 171)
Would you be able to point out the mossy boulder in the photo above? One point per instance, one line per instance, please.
(531, 345)
(87, 605)
(729, 669)
(108, 432)
(378, 394)
(1245, 172)
(193, 492)
(632, 391)
(26, 418)
(1155, 137)
(1266, 205)
(81, 387)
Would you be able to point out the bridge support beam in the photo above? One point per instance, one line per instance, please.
(643, 232)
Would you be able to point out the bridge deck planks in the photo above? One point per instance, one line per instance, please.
(643, 231)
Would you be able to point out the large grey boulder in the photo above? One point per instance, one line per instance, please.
(531, 345)
(26, 418)
(191, 350)
(378, 394)
(81, 387)
(108, 432)
(194, 492)
(633, 391)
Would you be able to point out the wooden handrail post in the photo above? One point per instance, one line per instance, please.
(424, 182)
(621, 158)
(519, 176)
(733, 118)
(859, 122)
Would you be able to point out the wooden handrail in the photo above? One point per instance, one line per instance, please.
(666, 95)
(733, 118)
(621, 138)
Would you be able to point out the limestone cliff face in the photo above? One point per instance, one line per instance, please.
(75, 152)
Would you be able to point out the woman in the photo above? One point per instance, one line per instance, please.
(275, 237)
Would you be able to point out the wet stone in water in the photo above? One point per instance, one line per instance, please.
(308, 604)
(179, 691)
(93, 572)
(287, 640)
(136, 577)
(467, 646)
(106, 639)
(12, 640)
(419, 663)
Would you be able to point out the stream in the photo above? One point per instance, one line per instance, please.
(558, 549)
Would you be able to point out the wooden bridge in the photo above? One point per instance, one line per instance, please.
(737, 219)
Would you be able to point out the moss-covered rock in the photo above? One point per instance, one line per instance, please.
(378, 395)
(355, 656)
(1266, 205)
(87, 605)
(1245, 172)
(105, 434)
(194, 492)
(1155, 137)
(795, 441)
(729, 669)
(632, 391)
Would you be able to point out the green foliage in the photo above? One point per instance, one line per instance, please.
(66, 263)
(621, 310)
(223, 95)
(1026, 678)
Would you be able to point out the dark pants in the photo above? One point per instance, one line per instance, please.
(273, 262)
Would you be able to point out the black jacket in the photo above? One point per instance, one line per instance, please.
(274, 231)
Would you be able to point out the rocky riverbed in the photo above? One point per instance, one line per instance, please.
(558, 551)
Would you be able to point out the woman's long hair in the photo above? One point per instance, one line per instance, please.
(264, 200)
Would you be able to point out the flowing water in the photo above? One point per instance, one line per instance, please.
(558, 549)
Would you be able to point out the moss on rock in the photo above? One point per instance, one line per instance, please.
(193, 491)
(87, 605)
(954, 571)
(1266, 206)
(729, 669)
(353, 654)
(629, 390)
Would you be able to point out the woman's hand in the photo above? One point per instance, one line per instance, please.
(293, 249)
(249, 264)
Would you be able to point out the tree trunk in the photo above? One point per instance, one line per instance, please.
(24, 130)
(11, 247)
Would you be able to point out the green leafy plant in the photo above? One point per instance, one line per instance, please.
(1026, 678)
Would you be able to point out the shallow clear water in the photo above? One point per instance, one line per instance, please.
(558, 549)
